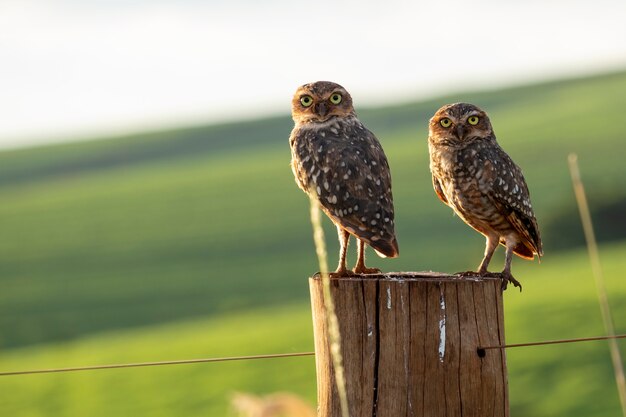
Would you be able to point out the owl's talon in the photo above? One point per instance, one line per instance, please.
(506, 278)
(346, 273)
(468, 274)
(366, 271)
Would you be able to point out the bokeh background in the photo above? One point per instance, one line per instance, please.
(148, 212)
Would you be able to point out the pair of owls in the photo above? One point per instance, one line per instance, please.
(341, 163)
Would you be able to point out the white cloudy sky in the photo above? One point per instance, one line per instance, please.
(76, 68)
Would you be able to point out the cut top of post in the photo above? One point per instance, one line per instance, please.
(428, 276)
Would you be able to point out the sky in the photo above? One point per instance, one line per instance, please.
(73, 69)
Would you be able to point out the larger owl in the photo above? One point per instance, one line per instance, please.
(341, 163)
(481, 183)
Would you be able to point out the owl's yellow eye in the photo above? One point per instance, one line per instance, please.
(445, 122)
(306, 101)
(335, 98)
(473, 120)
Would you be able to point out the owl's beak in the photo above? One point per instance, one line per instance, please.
(321, 110)
(460, 131)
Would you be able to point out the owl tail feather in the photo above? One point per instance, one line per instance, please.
(386, 249)
(525, 252)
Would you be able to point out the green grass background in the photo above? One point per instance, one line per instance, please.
(197, 243)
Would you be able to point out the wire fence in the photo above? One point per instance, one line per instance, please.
(158, 363)
(479, 349)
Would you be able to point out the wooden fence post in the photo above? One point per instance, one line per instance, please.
(409, 344)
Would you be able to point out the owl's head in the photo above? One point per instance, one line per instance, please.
(319, 101)
(459, 124)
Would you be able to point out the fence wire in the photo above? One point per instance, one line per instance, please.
(480, 350)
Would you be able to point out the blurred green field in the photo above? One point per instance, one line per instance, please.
(558, 301)
(196, 242)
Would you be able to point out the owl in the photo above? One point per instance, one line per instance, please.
(338, 161)
(481, 183)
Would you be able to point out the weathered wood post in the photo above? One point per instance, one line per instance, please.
(409, 344)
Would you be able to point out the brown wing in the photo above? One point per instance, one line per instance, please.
(347, 170)
(510, 195)
(439, 190)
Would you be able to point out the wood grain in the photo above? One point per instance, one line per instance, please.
(409, 344)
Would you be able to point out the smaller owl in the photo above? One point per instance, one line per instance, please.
(338, 161)
(481, 183)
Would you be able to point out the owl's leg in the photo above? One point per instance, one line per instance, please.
(360, 267)
(506, 273)
(490, 248)
(344, 240)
